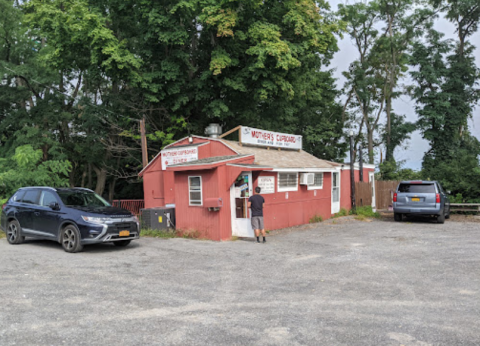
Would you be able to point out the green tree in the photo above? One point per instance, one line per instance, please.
(446, 92)
(26, 168)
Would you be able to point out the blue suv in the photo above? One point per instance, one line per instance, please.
(73, 217)
(421, 198)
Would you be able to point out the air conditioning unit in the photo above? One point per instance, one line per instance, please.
(307, 178)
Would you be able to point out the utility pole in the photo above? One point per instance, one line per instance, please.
(361, 163)
(352, 175)
(144, 142)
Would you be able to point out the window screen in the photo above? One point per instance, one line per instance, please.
(417, 188)
(318, 180)
(195, 190)
(288, 181)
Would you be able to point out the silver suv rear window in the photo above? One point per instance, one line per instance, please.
(417, 188)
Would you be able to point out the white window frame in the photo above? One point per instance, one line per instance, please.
(317, 187)
(286, 189)
(201, 192)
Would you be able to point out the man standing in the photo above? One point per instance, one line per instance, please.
(256, 202)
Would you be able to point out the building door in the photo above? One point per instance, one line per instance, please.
(371, 179)
(335, 192)
(240, 191)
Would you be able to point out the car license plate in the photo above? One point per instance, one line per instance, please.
(415, 199)
(124, 233)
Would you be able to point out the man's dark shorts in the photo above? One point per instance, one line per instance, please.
(257, 222)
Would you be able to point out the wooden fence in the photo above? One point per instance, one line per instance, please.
(363, 193)
(384, 191)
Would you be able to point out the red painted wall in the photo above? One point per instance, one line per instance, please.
(213, 225)
(299, 208)
(159, 186)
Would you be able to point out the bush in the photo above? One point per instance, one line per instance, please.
(342, 212)
(316, 218)
(367, 211)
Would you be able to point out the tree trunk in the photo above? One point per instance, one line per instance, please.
(89, 176)
(101, 179)
(370, 145)
(389, 151)
(84, 175)
(111, 189)
(71, 176)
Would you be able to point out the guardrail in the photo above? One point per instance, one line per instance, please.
(471, 207)
(132, 205)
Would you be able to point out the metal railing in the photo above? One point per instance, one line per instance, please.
(132, 205)
(464, 207)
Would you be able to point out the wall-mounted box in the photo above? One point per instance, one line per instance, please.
(213, 204)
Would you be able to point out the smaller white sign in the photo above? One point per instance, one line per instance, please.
(267, 184)
(180, 155)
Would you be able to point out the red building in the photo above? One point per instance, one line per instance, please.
(209, 181)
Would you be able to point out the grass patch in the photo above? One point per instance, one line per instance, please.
(360, 217)
(367, 211)
(316, 218)
(156, 233)
(2, 235)
(342, 212)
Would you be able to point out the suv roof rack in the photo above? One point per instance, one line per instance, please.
(38, 187)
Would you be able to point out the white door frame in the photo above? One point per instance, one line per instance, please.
(336, 205)
(241, 227)
(371, 180)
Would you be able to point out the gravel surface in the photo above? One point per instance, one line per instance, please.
(340, 282)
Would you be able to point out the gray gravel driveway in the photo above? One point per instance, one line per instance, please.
(342, 282)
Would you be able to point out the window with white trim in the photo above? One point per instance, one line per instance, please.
(195, 190)
(287, 182)
(317, 182)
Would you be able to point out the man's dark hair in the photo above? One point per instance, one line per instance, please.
(258, 189)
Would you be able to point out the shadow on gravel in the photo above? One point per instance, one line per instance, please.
(94, 248)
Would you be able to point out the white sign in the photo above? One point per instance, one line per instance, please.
(180, 155)
(267, 184)
(270, 139)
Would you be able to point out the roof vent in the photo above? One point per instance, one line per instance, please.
(213, 130)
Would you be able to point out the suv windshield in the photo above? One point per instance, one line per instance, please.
(82, 199)
(417, 188)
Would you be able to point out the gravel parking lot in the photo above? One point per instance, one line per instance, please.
(341, 282)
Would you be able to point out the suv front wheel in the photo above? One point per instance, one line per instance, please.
(71, 240)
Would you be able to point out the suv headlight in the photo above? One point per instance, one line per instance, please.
(99, 220)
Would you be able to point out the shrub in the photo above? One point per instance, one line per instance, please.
(367, 211)
(316, 218)
(342, 212)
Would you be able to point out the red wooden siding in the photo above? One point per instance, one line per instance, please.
(299, 208)
(210, 224)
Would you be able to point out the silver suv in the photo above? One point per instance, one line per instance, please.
(421, 198)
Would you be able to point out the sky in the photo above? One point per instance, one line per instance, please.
(416, 146)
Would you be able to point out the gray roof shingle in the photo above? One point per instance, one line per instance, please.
(280, 158)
